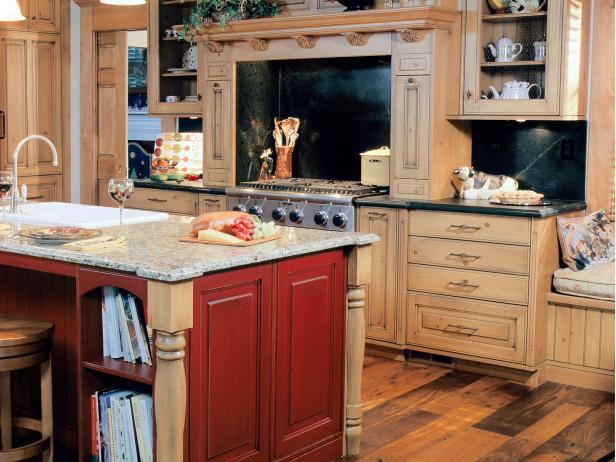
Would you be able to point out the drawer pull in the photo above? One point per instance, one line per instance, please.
(465, 256)
(464, 284)
(33, 198)
(462, 326)
(211, 201)
(474, 228)
(377, 214)
(158, 201)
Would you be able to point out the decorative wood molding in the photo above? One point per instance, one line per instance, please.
(356, 39)
(306, 41)
(259, 44)
(412, 35)
(213, 47)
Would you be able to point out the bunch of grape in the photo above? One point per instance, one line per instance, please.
(263, 230)
(243, 228)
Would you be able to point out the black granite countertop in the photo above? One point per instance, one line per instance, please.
(189, 186)
(474, 206)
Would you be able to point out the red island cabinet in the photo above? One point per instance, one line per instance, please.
(266, 362)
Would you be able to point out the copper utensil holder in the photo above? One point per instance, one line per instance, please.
(284, 162)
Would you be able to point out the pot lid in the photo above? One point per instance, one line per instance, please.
(382, 151)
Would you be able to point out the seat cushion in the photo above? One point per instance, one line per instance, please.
(596, 281)
(586, 240)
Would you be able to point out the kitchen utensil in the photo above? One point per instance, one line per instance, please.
(514, 90)
(195, 240)
(59, 234)
(504, 51)
(375, 167)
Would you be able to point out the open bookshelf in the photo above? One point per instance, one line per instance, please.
(96, 371)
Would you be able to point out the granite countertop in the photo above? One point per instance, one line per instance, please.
(474, 206)
(153, 251)
(189, 186)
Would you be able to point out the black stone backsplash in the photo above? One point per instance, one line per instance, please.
(548, 157)
(344, 106)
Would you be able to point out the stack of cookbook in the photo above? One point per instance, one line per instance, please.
(121, 426)
(125, 331)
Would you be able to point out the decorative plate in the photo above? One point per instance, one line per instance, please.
(520, 201)
(60, 234)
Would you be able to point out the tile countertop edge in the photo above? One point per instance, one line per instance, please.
(189, 272)
(458, 205)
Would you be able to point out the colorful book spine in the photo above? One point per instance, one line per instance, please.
(94, 429)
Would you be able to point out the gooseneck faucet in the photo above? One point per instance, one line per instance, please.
(14, 196)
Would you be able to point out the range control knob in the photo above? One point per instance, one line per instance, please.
(239, 208)
(321, 218)
(296, 216)
(256, 210)
(339, 220)
(279, 214)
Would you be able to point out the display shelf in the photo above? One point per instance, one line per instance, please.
(514, 64)
(513, 16)
(184, 74)
(179, 2)
(141, 373)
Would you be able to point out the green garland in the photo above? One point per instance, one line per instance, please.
(224, 11)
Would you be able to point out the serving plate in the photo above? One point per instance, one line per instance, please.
(60, 234)
(520, 201)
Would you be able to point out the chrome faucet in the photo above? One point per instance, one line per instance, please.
(14, 196)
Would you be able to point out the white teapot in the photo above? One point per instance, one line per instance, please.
(515, 90)
(504, 51)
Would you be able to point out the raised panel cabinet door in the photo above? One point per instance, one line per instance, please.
(18, 25)
(217, 132)
(45, 102)
(380, 308)
(230, 366)
(411, 137)
(13, 99)
(310, 323)
(45, 15)
(43, 188)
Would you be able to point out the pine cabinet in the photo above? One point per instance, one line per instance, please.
(218, 159)
(558, 78)
(41, 16)
(30, 100)
(382, 293)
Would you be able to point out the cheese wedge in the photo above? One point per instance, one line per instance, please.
(211, 235)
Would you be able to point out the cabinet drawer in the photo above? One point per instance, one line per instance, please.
(43, 188)
(469, 255)
(209, 203)
(413, 64)
(470, 226)
(179, 202)
(488, 330)
(466, 283)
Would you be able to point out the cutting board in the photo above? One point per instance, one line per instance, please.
(194, 240)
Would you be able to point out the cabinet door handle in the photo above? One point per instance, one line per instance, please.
(198, 96)
(464, 284)
(469, 94)
(462, 326)
(156, 200)
(216, 85)
(465, 227)
(465, 256)
(33, 198)
(2, 125)
(412, 80)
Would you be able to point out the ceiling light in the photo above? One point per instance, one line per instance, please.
(123, 2)
(11, 12)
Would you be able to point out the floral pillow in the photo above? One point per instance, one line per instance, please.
(587, 240)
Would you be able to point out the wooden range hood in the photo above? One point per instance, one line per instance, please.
(355, 26)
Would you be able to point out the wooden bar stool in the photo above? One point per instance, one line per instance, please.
(25, 342)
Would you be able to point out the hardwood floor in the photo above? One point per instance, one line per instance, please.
(416, 412)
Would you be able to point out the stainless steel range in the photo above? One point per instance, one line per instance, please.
(302, 202)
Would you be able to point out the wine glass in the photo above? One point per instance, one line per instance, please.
(121, 190)
(6, 185)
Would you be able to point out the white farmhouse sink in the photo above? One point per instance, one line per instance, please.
(85, 216)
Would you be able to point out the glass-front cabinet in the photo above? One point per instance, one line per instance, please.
(173, 76)
(524, 59)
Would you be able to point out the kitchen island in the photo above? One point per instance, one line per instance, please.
(251, 343)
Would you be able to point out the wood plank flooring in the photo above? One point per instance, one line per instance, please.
(415, 412)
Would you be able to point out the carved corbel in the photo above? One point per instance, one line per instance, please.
(305, 41)
(356, 39)
(214, 47)
(259, 44)
(412, 35)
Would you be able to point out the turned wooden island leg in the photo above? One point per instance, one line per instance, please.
(359, 273)
(170, 312)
